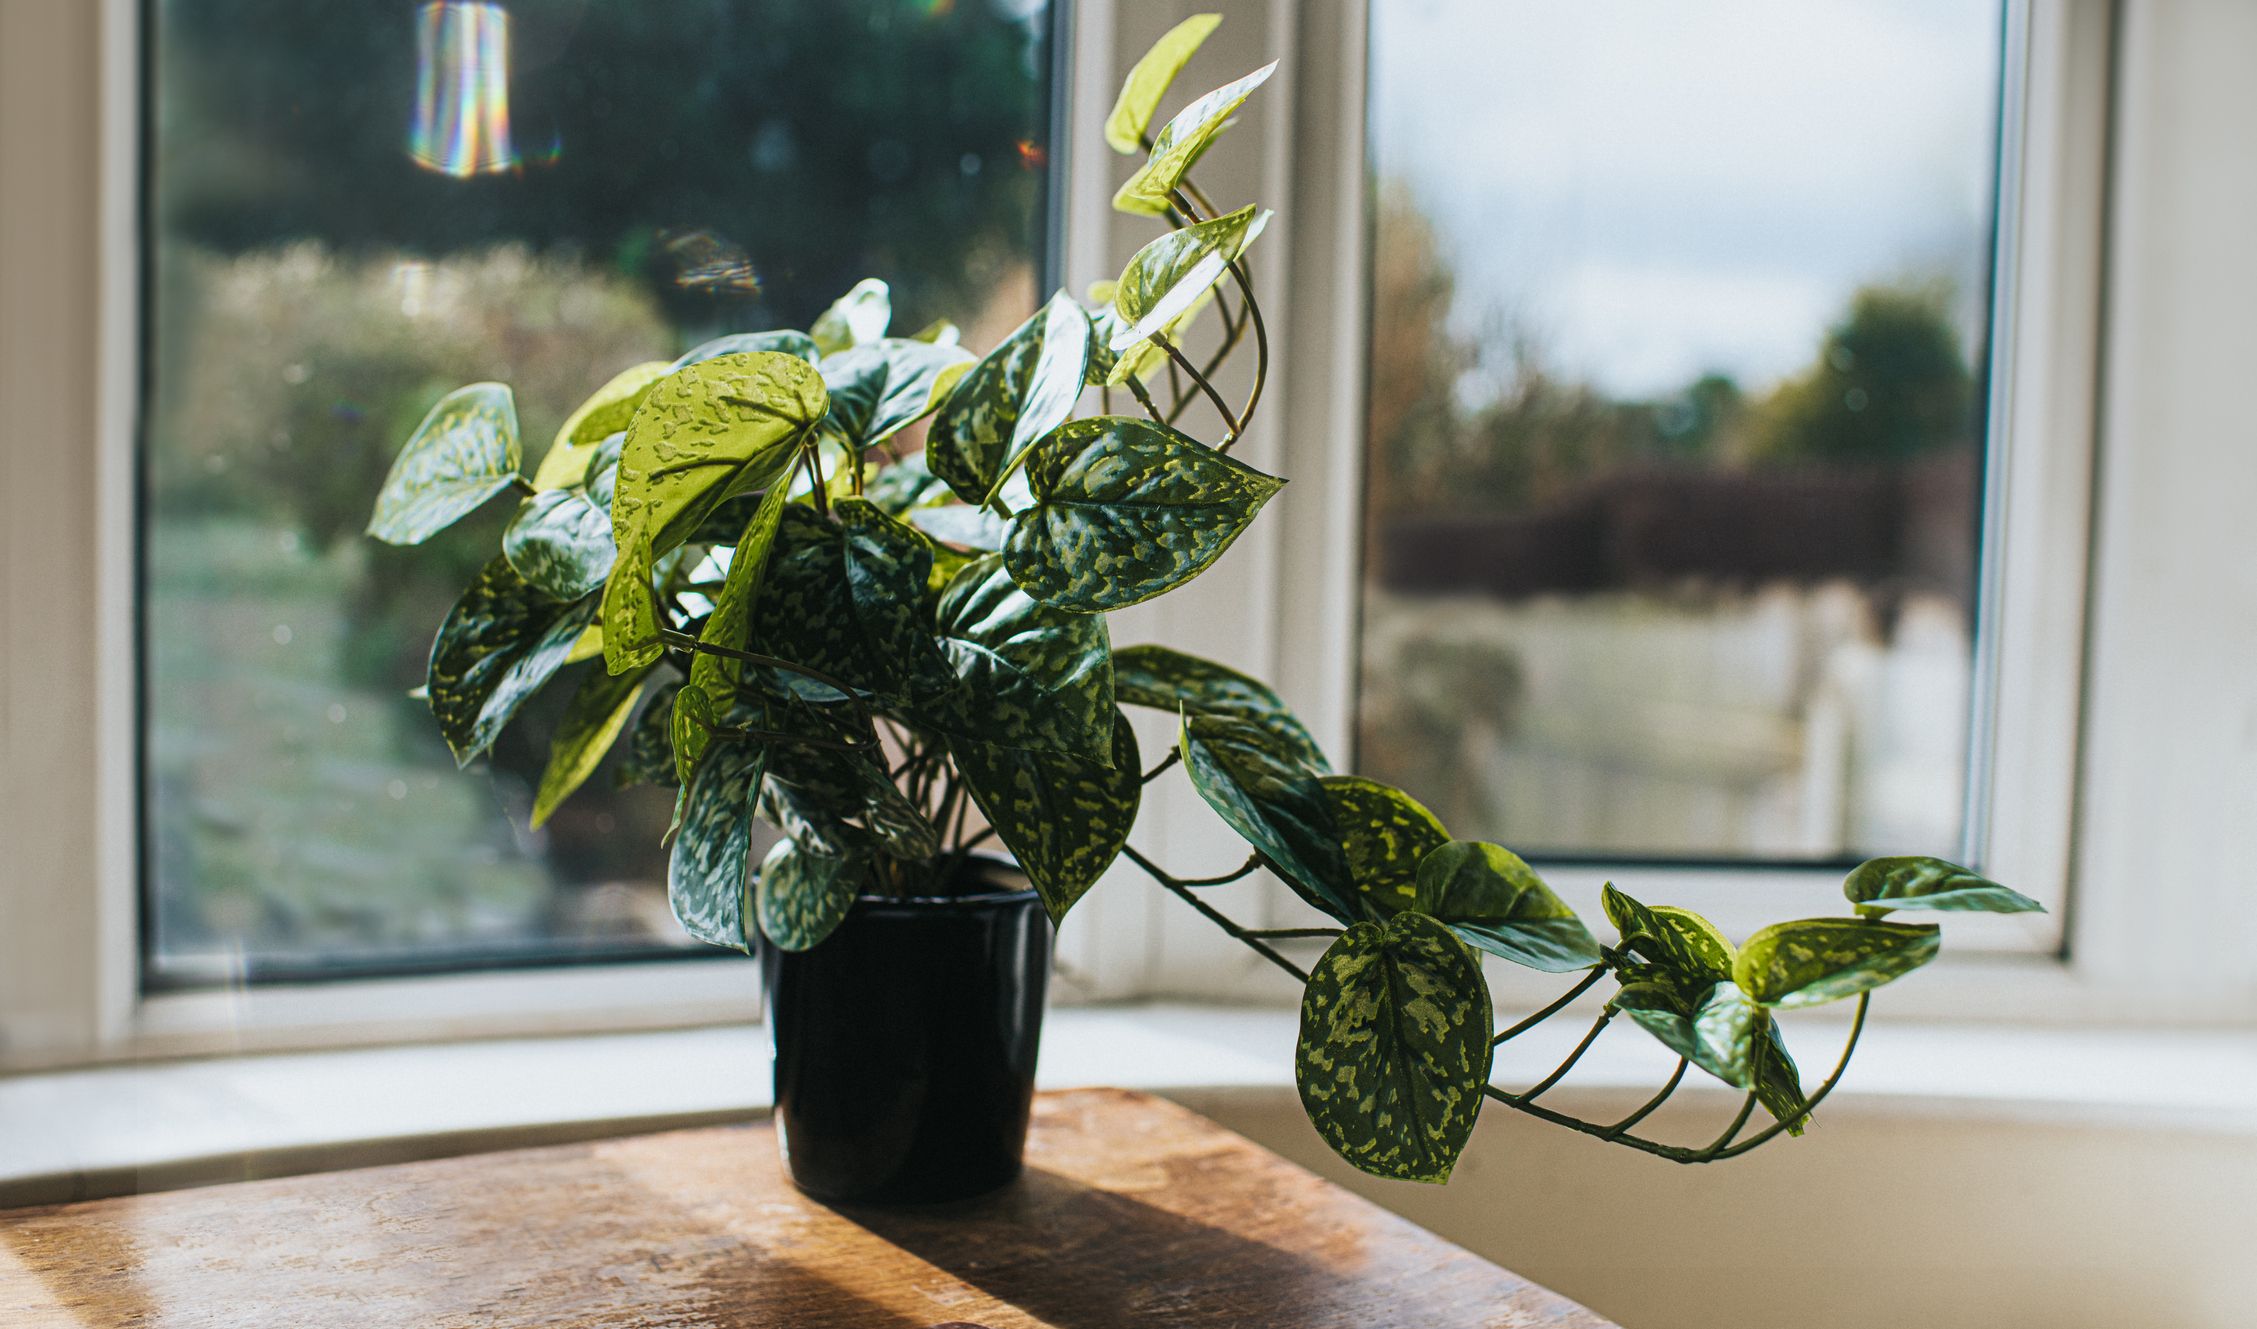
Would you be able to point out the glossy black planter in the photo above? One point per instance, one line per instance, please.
(905, 1044)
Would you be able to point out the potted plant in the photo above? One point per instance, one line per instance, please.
(901, 662)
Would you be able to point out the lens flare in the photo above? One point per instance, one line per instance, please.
(461, 121)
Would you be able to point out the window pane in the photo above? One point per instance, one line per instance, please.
(1675, 462)
(360, 204)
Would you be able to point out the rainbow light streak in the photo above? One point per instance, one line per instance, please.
(461, 122)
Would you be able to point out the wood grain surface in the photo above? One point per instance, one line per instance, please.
(1132, 1212)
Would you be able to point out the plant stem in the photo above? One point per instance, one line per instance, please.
(1747, 1109)
(1289, 934)
(1177, 357)
(1261, 354)
(1676, 1078)
(1810, 1105)
(1144, 399)
(1549, 1011)
(523, 485)
(1560, 1071)
(1213, 915)
(1174, 755)
(815, 479)
(774, 736)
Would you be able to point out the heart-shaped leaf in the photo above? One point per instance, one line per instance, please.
(560, 543)
(784, 340)
(1883, 884)
(1027, 676)
(855, 319)
(499, 644)
(592, 721)
(882, 388)
(1817, 960)
(1253, 778)
(1169, 680)
(1124, 510)
(1394, 1047)
(1676, 938)
(1167, 277)
(803, 897)
(1497, 902)
(464, 452)
(1385, 833)
(1182, 141)
(846, 598)
(596, 419)
(1063, 819)
(708, 873)
(835, 802)
(1148, 81)
(1015, 395)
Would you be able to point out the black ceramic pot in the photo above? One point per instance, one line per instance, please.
(905, 1042)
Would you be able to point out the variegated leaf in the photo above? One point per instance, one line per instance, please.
(498, 645)
(1063, 819)
(729, 625)
(785, 340)
(880, 389)
(1015, 395)
(591, 724)
(708, 873)
(1180, 143)
(596, 419)
(940, 332)
(1027, 676)
(907, 486)
(464, 452)
(560, 542)
(1386, 834)
(1666, 935)
(1169, 680)
(1253, 778)
(1883, 884)
(962, 524)
(1394, 1047)
(650, 749)
(833, 802)
(1717, 1028)
(1497, 902)
(806, 610)
(1167, 278)
(1124, 510)
(803, 897)
(1148, 81)
(857, 318)
(1817, 960)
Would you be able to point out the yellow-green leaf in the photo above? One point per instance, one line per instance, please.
(1182, 141)
(1167, 278)
(591, 724)
(596, 419)
(729, 625)
(1148, 81)
(464, 452)
(855, 319)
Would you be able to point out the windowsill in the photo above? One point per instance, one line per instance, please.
(125, 1128)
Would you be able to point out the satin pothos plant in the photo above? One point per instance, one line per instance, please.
(896, 656)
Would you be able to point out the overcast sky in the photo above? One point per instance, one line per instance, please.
(1658, 188)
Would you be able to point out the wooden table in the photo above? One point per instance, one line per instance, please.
(1132, 1212)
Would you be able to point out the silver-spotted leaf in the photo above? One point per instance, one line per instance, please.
(499, 644)
(845, 598)
(1148, 81)
(560, 542)
(1677, 938)
(1124, 510)
(603, 414)
(1180, 143)
(592, 722)
(650, 749)
(1394, 1047)
(784, 340)
(1062, 818)
(1386, 834)
(907, 486)
(857, 318)
(802, 897)
(1254, 779)
(1817, 960)
(882, 388)
(1015, 395)
(1172, 681)
(1026, 675)
(1497, 902)
(1882, 884)
(464, 452)
(962, 524)
(708, 873)
(1166, 278)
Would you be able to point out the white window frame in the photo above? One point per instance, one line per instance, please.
(2059, 812)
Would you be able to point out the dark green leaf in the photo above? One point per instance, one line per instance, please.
(880, 389)
(708, 874)
(560, 542)
(1394, 1047)
(834, 803)
(1816, 960)
(1712, 1025)
(591, 723)
(598, 418)
(1252, 776)
(1385, 833)
(1027, 676)
(1497, 902)
(1167, 278)
(729, 625)
(498, 645)
(857, 318)
(1778, 1085)
(784, 340)
(846, 598)
(1676, 938)
(1883, 884)
(802, 897)
(1148, 81)
(1169, 680)
(1062, 818)
(1015, 395)
(650, 751)
(906, 486)
(1125, 509)
(1180, 142)
(463, 453)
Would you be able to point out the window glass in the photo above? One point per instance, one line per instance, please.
(358, 205)
(1676, 424)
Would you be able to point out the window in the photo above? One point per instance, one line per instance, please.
(355, 206)
(1675, 478)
